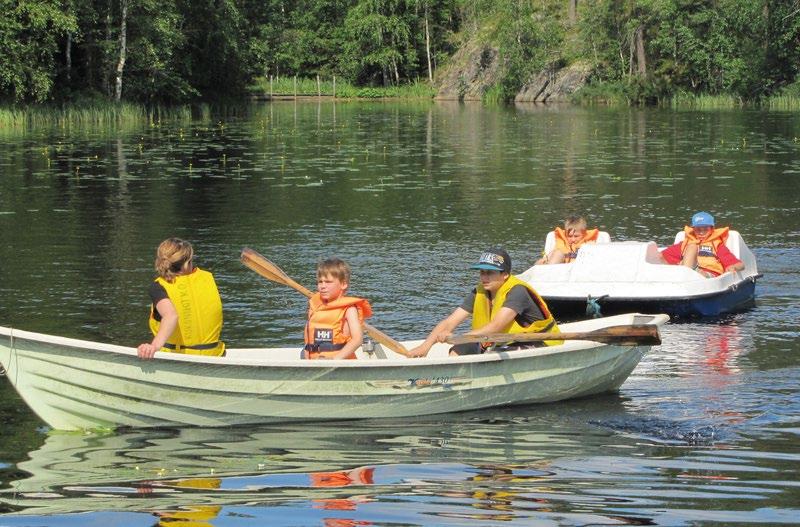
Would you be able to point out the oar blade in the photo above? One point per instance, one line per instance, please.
(266, 268)
(250, 259)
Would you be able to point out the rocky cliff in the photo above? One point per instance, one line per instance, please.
(477, 67)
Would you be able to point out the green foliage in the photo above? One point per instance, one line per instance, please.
(741, 48)
(495, 95)
(158, 61)
(91, 113)
(377, 44)
(30, 32)
(611, 93)
(178, 51)
(530, 41)
(304, 87)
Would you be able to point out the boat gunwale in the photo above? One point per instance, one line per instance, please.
(520, 354)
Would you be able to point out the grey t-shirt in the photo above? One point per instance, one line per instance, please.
(518, 300)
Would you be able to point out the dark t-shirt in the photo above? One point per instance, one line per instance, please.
(519, 300)
(157, 293)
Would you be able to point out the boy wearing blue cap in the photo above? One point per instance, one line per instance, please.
(501, 303)
(703, 248)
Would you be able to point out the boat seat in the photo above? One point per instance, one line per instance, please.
(734, 242)
(550, 240)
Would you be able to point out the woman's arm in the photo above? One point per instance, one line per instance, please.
(169, 321)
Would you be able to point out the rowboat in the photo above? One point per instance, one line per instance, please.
(76, 384)
(618, 277)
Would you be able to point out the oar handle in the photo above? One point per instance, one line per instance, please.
(504, 337)
(636, 335)
(386, 340)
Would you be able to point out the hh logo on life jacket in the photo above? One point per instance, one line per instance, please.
(705, 250)
(323, 335)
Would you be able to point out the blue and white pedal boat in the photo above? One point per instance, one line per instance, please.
(616, 277)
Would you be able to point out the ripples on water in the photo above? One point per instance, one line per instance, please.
(705, 431)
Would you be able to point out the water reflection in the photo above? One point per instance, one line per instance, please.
(514, 465)
(704, 431)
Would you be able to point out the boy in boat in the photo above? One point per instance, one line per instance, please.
(501, 303)
(703, 248)
(568, 241)
(333, 329)
(186, 310)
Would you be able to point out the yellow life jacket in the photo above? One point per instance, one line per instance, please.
(707, 249)
(325, 328)
(571, 250)
(485, 309)
(194, 516)
(196, 299)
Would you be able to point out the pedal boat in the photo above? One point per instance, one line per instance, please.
(616, 277)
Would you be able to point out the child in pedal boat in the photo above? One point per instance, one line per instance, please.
(703, 248)
(568, 241)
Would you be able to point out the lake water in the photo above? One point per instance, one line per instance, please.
(704, 432)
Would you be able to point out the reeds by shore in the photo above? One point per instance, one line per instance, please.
(94, 114)
(310, 87)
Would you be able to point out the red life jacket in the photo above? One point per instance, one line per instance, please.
(571, 250)
(707, 258)
(325, 331)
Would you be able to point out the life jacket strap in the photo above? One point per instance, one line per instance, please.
(326, 346)
(209, 346)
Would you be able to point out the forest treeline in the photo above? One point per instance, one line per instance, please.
(176, 51)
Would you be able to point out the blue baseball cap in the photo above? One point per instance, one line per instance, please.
(702, 219)
(494, 260)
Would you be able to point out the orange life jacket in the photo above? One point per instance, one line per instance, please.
(707, 249)
(325, 330)
(571, 250)
(343, 478)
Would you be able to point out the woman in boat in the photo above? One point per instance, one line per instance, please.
(333, 328)
(186, 310)
(501, 303)
(569, 240)
(703, 248)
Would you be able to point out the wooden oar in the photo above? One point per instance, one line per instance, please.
(627, 335)
(263, 266)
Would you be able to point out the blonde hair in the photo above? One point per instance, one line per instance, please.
(334, 267)
(577, 223)
(173, 257)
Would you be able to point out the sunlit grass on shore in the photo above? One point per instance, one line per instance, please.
(94, 114)
(620, 94)
(725, 102)
(783, 102)
(703, 101)
(308, 87)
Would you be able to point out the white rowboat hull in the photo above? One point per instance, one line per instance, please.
(75, 384)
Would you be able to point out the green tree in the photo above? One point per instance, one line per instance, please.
(31, 32)
(530, 40)
(378, 46)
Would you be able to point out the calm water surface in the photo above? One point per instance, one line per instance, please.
(704, 432)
